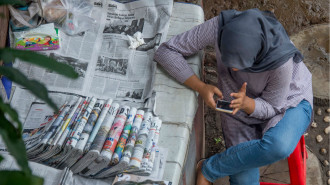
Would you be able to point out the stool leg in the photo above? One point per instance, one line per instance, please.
(297, 164)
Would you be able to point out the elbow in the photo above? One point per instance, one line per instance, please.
(263, 110)
(269, 113)
(160, 52)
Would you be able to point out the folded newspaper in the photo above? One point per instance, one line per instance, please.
(129, 179)
(54, 176)
(104, 125)
(93, 137)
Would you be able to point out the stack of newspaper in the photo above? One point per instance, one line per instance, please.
(93, 137)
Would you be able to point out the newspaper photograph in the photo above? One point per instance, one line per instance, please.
(122, 27)
(112, 65)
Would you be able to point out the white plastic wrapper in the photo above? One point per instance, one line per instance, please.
(72, 16)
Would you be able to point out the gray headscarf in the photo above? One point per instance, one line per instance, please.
(254, 41)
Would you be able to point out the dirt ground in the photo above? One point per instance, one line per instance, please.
(295, 15)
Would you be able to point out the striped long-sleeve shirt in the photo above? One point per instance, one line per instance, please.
(274, 91)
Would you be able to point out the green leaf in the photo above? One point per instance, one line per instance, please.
(19, 178)
(33, 86)
(217, 140)
(9, 55)
(14, 143)
(1, 158)
(12, 2)
(6, 108)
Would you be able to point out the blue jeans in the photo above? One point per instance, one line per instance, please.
(242, 162)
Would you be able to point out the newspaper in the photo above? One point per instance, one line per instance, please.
(54, 176)
(127, 151)
(140, 144)
(40, 170)
(110, 142)
(90, 124)
(150, 148)
(88, 133)
(37, 124)
(101, 56)
(98, 141)
(52, 137)
(157, 171)
(127, 179)
(157, 174)
(107, 69)
(74, 137)
(123, 138)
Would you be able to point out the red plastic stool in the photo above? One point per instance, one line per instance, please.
(297, 165)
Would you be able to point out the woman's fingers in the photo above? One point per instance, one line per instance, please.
(210, 102)
(235, 95)
(235, 111)
(243, 88)
(240, 92)
(236, 101)
(208, 93)
(238, 105)
(218, 92)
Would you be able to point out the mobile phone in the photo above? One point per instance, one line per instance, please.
(223, 106)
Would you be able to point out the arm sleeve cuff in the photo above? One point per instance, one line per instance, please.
(262, 109)
(184, 75)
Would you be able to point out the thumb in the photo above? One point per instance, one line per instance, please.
(243, 88)
(218, 93)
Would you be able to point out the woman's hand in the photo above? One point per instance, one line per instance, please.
(242, 101)
(205, 90)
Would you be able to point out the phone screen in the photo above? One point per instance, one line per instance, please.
(221, 104)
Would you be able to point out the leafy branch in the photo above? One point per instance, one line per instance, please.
(11, 129)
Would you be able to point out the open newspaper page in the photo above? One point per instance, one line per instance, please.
(125, 73)
(101, 56)
(21, 101)
(51, 176)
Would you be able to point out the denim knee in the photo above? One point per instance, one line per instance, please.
(276, 148)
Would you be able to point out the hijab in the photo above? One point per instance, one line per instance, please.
(254, 41)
